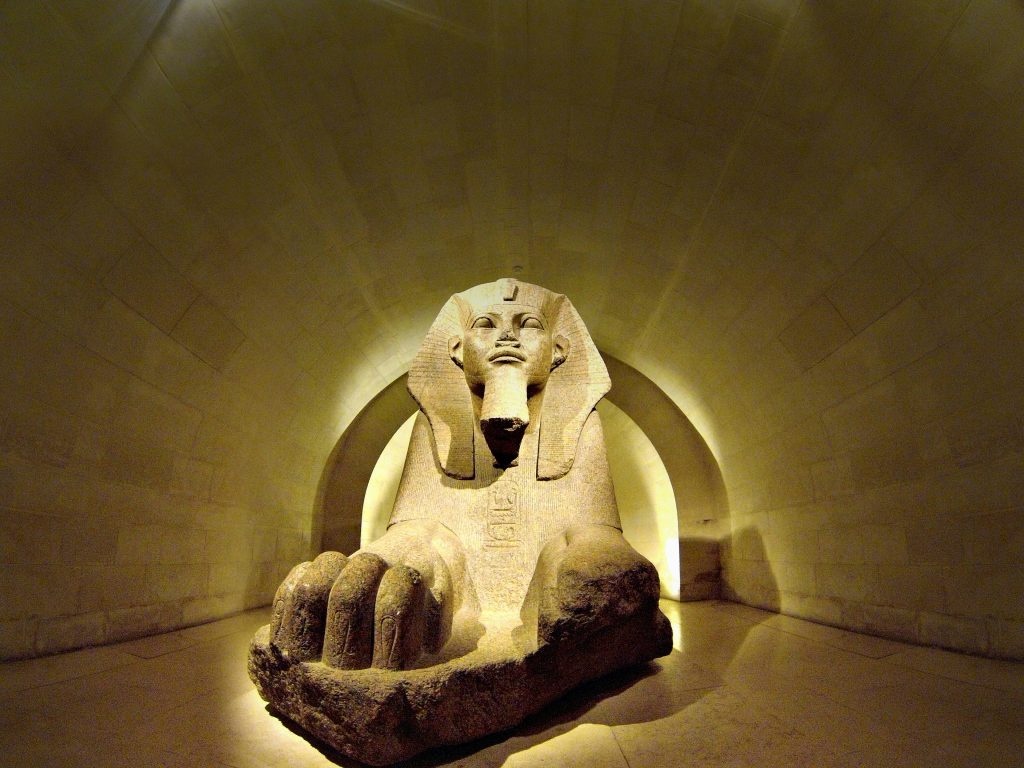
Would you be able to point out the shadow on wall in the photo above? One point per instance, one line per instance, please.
(700, 569)
(747, 574)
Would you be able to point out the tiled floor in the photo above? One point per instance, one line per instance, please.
(742, 688)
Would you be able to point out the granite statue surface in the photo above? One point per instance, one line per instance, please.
(503, 579)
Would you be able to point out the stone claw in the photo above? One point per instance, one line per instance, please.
(300, 606)
(350, 613)
(382, 607)
(399, 619)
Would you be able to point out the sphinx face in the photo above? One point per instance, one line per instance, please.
(507, 352)
(515, 337)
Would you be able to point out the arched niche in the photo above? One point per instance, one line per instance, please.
(693, 473)
(643, 492)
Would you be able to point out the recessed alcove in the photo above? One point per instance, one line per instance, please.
(670, 493)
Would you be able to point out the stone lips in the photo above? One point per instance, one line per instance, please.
(381, 717)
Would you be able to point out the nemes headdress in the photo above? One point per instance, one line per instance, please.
(573, 388)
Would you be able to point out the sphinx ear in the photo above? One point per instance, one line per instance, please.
(455, 349)
(559, 351)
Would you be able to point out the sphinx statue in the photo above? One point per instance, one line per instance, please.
(503, 579)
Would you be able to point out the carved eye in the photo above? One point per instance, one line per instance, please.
(533, 323)
(483, 322)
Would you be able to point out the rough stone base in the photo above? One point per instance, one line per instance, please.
(381, 717)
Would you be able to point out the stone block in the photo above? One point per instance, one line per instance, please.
(832, 478)
(1006, 638)
(65, 632)
(17, 638)
(183, 545)
(136, 463)
(865, 418)
(177, 582)
(884, 544)
(29, 592)
(876, 283)
(144, 281)
(935, 542)
(904, 334)
(958, 632)
(229, 545)
(89, 543)
(885, 462)
(143, 620)
(821, 609)
(203, 609)
(208, 333)
(815, 333)
(845, 582)
(908, 586)
(264, 545)
(291, 545)
(40, 435)
(795, 577)
(28, 539)
(148, 409)
(841, 546)
(139, 544)
(885, 621)
(229, 577)
(105, 587)
(700, 569)
(985, 434)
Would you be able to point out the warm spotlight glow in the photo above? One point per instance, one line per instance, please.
(382, 488)
(683, 394)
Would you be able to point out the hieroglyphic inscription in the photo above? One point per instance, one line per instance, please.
(504, 521)
(503, 540)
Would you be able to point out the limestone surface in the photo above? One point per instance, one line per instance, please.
(503, 579)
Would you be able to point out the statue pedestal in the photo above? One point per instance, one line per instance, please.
(380, 716)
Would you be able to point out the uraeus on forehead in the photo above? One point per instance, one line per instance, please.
(508, 291)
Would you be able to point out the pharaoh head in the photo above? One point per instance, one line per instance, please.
(489, 354)
(507, 352)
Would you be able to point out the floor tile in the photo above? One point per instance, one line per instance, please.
(157, 645)
(21, 675)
